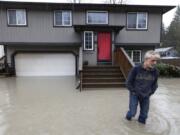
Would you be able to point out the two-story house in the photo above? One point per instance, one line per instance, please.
(54, 39)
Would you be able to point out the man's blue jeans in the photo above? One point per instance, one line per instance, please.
(144, 107)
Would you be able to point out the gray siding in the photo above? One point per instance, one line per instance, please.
(117, 18)
(40, 28)
(91, 56)
(152, 35)
(79, 18)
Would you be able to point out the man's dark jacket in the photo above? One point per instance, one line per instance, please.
(141, 81)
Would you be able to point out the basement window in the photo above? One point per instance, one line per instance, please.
(135, 55)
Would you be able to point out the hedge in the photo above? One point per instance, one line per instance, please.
(166, 70)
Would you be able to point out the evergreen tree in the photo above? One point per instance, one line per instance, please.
(163, 33)
(172, 37)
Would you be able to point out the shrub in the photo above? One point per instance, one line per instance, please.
(167, 70)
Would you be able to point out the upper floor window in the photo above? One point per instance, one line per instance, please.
(62, 18)
(16, 17)
(137, 20)
(97, 17)
(88, 40)
(135, 55)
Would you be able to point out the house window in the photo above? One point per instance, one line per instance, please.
(97, 17)
(16, 17)
(137, 20)
(88, 40)
(62, 18)
(135, 55)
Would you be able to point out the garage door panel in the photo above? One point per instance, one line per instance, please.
(44, 64)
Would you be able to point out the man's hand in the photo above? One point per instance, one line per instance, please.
(133, 93)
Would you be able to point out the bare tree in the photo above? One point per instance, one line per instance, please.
(74, 1)
(69, 1)
(115, 1)
(77, 1)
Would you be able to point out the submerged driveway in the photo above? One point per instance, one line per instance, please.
(52, 106)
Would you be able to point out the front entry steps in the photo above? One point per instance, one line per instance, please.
(102, 76)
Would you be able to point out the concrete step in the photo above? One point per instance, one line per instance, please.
(101, 70)
(103, 85)
(115, 79)
(100, 67)
(101, 75)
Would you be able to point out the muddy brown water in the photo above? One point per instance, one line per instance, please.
(52, 106)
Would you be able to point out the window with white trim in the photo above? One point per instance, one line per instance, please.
(88, 40)
(16, 17)
(62, 18)
(137, 20)
(97, 17)
(135, 55)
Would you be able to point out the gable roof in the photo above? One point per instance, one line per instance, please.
(102, 6)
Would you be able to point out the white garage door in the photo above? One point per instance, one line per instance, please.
(44, 64)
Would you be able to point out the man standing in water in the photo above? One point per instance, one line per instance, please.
(142, 83)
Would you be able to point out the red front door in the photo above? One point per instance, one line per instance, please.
(104, 46)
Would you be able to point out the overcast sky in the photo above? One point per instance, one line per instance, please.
(167, 18)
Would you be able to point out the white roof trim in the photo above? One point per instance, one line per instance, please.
(163, 49)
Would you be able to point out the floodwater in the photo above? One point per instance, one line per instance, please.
(52, 106)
